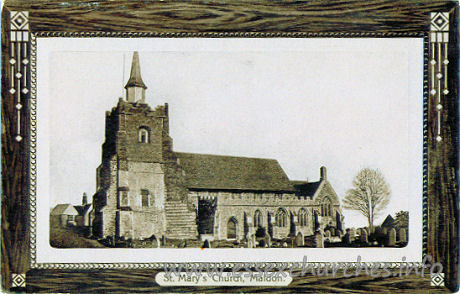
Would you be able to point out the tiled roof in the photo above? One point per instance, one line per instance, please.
(306, 188)
(205, 171)
(64, 209)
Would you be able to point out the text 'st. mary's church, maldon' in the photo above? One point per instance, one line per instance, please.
(147, 190)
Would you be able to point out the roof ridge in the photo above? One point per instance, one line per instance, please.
(221, 155)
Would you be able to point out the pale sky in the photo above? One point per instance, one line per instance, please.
(341, 103)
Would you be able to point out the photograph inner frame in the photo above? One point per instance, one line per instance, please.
(436, 133)
(242, 188)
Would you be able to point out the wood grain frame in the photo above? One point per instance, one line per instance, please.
(375, 18)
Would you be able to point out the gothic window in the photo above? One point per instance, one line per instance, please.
(281, 218)
(144, 135)
(302, 217)
(257, 219)
(231, 228)
(326, 207)
(145, 196)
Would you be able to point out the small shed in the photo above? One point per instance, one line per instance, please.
(64, 215)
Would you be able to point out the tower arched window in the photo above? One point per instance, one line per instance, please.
(144, 135)
(281, 218)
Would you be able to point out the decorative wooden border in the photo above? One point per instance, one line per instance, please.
(46, 20)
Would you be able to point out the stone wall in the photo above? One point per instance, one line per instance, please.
(131, 118)
(132, 168)
(148, 224)
(243, 206)
(327, 191)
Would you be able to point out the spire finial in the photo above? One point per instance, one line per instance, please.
(135, 87)
(135, 79)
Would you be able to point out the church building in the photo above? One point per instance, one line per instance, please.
(145, 189)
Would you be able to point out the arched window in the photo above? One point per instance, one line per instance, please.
(231, 228)
(302, 217)
(326, 207)
(281, 218)
(257, 219)
(144, 135)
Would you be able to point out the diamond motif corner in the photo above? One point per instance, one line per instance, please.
(437, 280)
(439, 21)
(18, 280)
(19, 20)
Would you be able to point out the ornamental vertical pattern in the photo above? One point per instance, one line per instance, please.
(19, 63)
(439, 38)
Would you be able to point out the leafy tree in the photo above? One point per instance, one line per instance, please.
(402, 220)
(369, 196)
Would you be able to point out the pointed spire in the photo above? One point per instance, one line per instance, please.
(135, 79)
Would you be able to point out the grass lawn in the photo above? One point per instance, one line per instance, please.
(61, 237)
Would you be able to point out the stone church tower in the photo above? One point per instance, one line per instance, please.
(139, 176)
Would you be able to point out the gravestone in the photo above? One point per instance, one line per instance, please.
(250, 240)
(285, 244)
(248, 236)
(153, 242)
(367, 231)
(327, 234)
(111, 241)
(402, 235)
(391, 237)
(338, 233)
(347, 238)
(363, 237)
(206, 244)
(352, 234)
(268, 240)
(332, 230)
(319, 241)
(163, 240)
(299, 240)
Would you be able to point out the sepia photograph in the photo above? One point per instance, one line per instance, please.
(235, 147)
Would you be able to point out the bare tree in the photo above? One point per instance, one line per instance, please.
(370, 194)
